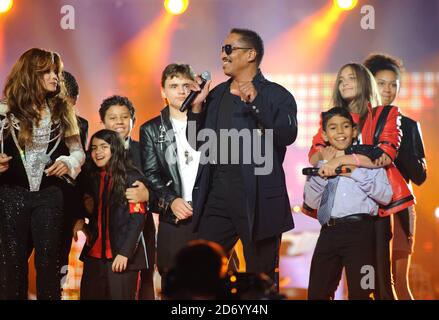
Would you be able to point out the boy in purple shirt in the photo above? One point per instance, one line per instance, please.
(346, 206)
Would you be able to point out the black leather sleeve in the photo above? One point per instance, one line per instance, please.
(195, 120)
(411, 157)
(370, 151)
(163, 193)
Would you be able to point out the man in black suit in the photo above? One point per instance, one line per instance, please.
(117, 113)
(234, 195)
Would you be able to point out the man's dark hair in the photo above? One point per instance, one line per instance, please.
(336, 111)
(253, 40)
(119, 101)
(174, 70)
(379, 62)
(71, 85)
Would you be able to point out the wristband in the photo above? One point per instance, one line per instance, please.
(357, 161)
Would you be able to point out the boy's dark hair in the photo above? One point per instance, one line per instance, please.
(253, 40)
(119, 101)
(71, 85)
(379, 62)
(336, 111)
(174, 70)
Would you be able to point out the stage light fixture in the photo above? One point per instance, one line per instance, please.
(176, 7)
(6, 5)
(346, 4)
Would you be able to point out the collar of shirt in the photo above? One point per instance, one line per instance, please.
(127, 143)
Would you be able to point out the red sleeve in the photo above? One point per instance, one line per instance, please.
(390, 137)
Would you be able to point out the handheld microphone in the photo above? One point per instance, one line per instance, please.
(66, 177)
(205, 76)
(311, 171)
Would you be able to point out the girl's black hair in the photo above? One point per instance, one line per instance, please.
(378, 62)
(118, 165)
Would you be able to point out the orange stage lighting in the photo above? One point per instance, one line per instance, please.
(176, 6)
(139, 66)
(6, 5)
(305, 46)
(346, 4)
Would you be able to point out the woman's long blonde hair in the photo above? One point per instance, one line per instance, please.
(367, 91)
(25, 90)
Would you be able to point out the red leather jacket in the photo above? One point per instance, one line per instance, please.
(389, 141)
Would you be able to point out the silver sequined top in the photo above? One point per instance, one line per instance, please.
(36, 153)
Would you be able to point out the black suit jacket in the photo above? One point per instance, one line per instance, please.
(268, 206)
(83, 131)
(134, 153)
(149, 228)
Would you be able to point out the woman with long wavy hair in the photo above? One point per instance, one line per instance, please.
(40, 150)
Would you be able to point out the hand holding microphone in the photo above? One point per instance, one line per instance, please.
(312, 171)
(60, 170)
(198, 94)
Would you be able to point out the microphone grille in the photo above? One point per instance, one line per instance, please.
(206, 75)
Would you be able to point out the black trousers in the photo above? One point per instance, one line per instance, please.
(170, 239)
(30, 218)
(383, 236)
(99, 282)
(146, 291)
(224, 221)
(350, 245)
(66, 245)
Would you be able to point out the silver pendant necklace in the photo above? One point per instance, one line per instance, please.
(187, 155)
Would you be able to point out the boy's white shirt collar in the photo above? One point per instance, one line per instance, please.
(127, 142)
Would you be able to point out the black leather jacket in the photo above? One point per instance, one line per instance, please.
(159, 162)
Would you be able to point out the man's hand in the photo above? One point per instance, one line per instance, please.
(139, 193)
(197, 104)
(4, 162)
(181, 209)
(58, 169)
(119, 263)
(245, 90)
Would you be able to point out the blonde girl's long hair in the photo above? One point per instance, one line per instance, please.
(367, 91)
